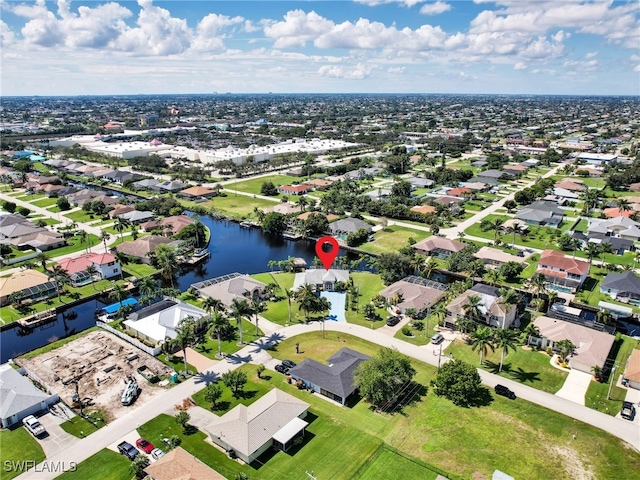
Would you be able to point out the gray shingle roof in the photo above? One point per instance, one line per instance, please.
(349, 225)
(17, 393)
(623, 282)
(336, 377)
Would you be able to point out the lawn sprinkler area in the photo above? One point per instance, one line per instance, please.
(337, 300)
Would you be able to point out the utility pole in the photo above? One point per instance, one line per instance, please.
(439, 356)
(613, 370)
(311, 475)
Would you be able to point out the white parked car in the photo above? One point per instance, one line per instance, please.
(32, 424)
(157, 453)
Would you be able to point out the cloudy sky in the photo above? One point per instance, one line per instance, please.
(422, 46)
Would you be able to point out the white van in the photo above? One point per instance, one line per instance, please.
(437, 338)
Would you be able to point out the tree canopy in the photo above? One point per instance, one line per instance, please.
(459, 382)
(383, 377)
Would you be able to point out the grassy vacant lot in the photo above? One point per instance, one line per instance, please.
(369, 284)
(389, 239)
(278, 312)
(385, 461)
(237, 206)
(18, 445)
(45, 202)
(82, 216)
(104, 465)
(210, 348)
(254, 185)
(526, 366)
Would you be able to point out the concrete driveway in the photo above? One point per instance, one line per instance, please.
(575, 386)
(57, 439)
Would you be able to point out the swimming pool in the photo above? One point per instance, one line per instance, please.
(337, 305)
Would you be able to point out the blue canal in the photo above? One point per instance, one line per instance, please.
(233, 249)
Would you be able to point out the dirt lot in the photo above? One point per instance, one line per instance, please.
(100, 362)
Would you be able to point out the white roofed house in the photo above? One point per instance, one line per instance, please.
(19, 397)
(493, 311)
(228, 288)
(321, 278)
(160, 320)
(273, 421)
(622, 227)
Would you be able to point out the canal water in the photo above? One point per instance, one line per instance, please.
(233, 249)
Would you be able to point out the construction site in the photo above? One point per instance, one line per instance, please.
(92, 372)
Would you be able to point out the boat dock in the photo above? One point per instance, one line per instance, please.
(198, 257)
(39, 318)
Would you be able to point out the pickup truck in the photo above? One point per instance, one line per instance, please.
(628, 411)
(128, 450)
(32, 424)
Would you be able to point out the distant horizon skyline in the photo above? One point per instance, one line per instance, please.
(454, 47)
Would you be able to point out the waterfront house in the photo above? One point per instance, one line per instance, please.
(142, 247)
(439, 247)
(493, 311)
(228, 288)
(106, 264)
(320, 278)
(623, 287)
(561, 271)
(27, 285)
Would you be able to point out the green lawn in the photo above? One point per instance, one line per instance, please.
(81, 216)
(253, 390)
(79, 427)
(45, 202)
(529, 367)
(369, 285)
(388, 464)
(104, 465)
(139, 270)
(237, 206)
(31, 197)
(254, 185)
(210, 348)
(18, 445)
(391, 238)
(278, 312)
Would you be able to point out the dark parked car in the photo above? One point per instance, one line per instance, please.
(505, 392)
(282, 369)
(289, 364)
(393, 321)
(628, 411)
(128, 450)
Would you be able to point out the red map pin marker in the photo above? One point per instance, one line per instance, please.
(327, 258)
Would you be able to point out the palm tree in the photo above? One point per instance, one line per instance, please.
(604, 316)
(104, 237)
(61, 276)
(84, 237)
(515, 229)
(575, 246)
(290, 294)
(565, 348)
(496, 225)
(475, 269)
(118, 293)
(42, 258)
(238, 310)
(120, 225)
(482, 339)
(218, 323)
(590, 198)
(623, 205)
(430, 265)
(492, 276)
(505, 339)
(185, 336)
(531, 330)
(166, 262)
(303, 202)
(538, 284)
(592, 250)
(148, 287)
(471, 308)
(305, 296)
(257, 307)
(212, 304)
(439, 312)
(122, 259)
(135, 233)
(92, 271)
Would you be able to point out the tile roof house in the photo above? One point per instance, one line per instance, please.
(449, 200)
(460, 192)
(294, 189)
(120, 209)
(348, 225)
(30, 284)
(43, 240)
(177, 222)
(493, 311)
(493, 256)
(424, 209)
(572, 185)
(160, 320)
(592, 346)
(142, 246)
(622, 227)
(561, 270)
(178, 464)
(233, 286)
(334, 380)
(105, 263)
(274, 420)
(414, 292)
(614, 212)
(329, 216)
(321, 278)
(19, 397)
(632, 370)
(436, 246)
(197, 191)
(624, 287)
(318, 183)
(137, 216)
(541, 212)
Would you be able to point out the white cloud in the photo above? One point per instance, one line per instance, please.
(7, 37)
(359, 72)
(580, 65)
(209, 32)
(591, 54)
(297, 29)
(435, 8)
(406, 3)
(396, 69)
(520, 66)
